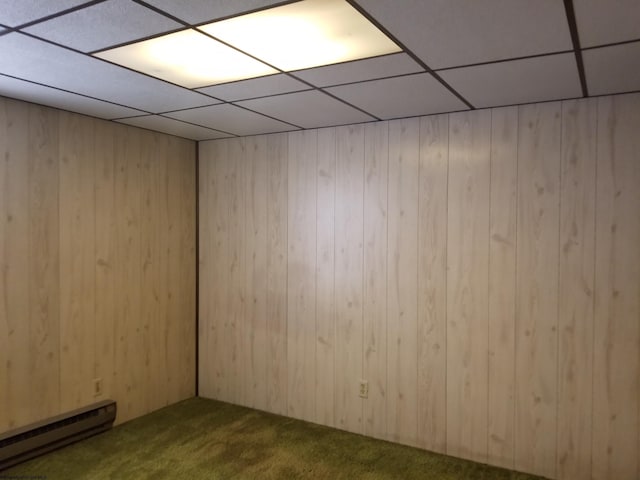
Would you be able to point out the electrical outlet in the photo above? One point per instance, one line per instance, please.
(364, 389)
(97, 387)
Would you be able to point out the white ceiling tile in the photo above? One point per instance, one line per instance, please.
(446, 33)
(173, 127)
(255, 87)
(307, 109)
(32, 92)
(231, 119)
(200, 11)
(103, 25)
(30, 59)
(408, 96)
(529, 80)
(606, 21)
(19, 12)
(357, 71)
(612, 69)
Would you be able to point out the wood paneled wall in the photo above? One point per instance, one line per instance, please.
(97, 255)
(481, 270)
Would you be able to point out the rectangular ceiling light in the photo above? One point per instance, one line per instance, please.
(188, 58)
(304, 34)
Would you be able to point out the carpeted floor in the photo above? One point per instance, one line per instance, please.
(205, 439)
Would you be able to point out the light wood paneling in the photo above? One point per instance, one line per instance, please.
(129, 367)
(301, 269)
(502, 285)
(467, 289)
(77, 266)
(105, 255)
(4, 324)
(213, 267)
(349, 224)
(14, 194)
(616, 389)
(277, 155)
(539, 137)
(576, 287)
(180, 254)
(432, 283)
(256, 230)
(84, 278)
(483, 240)
(154, 238)
(376, 163)
(236, 327)
(325, 384)
(44, 281)
(402, 274)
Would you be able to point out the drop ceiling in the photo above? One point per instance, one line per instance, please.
(452, 55)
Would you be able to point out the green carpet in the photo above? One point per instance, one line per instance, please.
(205, 439)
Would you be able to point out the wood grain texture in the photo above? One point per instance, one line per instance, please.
(467, 289)
(576, 287)
(256, 230)
(184, 220)
(44, 268)
(376, 166)
(236, 327)
(402, 274)
(212, 266)
(475, 230)
(349, 223)
(84, 280)
(154, 235)
(326, 340)
(225, 349)
(616, 389)
(539, 136)
(180, 255)
(502, 286)
(130, 355)
(14, 324)
(77, 266)
(301, 280)
(277, 195)
(105, 256)
(4, 324)
(432, 283)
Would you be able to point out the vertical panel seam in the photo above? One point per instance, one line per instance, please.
(595, 279)
(334, 310)
(286, 300)
(515, 290)
(362, 280)
(386, 406)
(446, 291)
(489, 283)
(418, 339)
(558, 279)
(517, 295)
(197, 272)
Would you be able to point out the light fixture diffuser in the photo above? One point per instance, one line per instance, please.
(304, 34)
(188, 58)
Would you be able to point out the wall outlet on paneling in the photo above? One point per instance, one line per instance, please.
(364, 389)
(97, 387)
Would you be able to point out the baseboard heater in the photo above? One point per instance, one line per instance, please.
(41, 437)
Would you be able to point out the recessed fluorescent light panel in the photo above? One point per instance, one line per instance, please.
(187, 58)
(305, 34)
